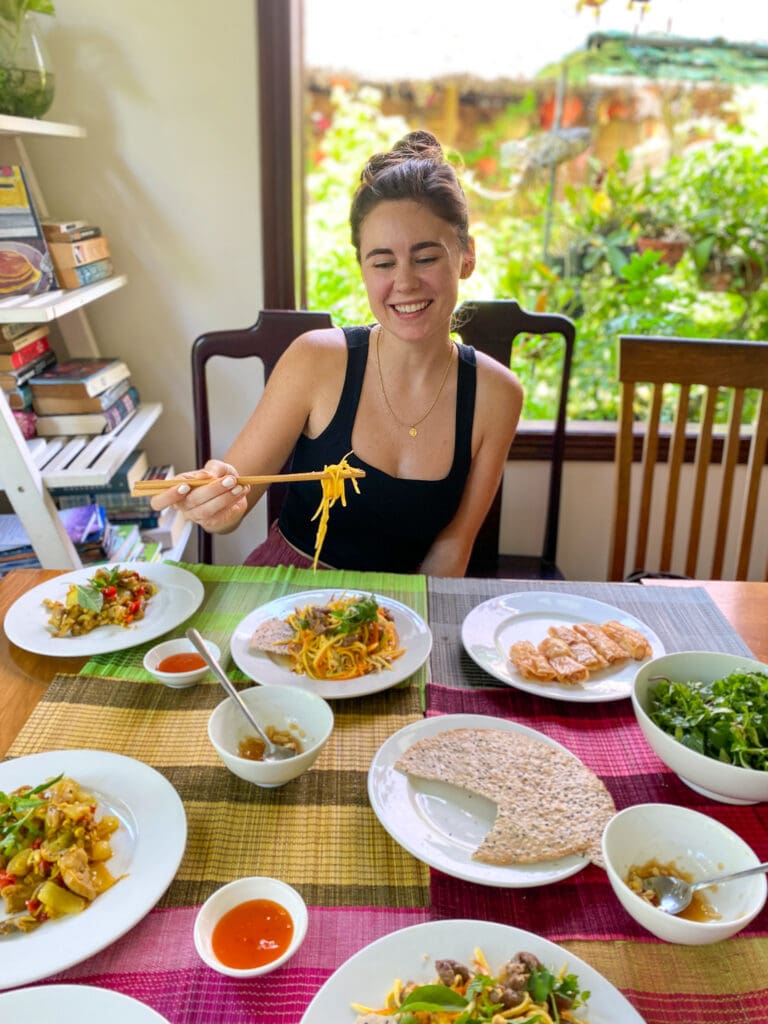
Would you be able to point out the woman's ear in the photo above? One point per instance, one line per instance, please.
(468, 260)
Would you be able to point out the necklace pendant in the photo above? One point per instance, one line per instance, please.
(413, 431)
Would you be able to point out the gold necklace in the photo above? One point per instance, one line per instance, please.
(410, 427)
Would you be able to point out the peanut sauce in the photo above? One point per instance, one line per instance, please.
(252, 934)
(699, 909)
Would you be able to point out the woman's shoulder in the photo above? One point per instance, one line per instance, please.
(493, 374)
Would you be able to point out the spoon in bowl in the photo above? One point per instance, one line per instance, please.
(674, 894)
(272, 751)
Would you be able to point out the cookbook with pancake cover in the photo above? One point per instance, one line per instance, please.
(25, 262)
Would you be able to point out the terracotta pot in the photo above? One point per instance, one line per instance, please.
(671, 252)
(746, 278)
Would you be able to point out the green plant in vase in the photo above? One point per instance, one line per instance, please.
(26, 80)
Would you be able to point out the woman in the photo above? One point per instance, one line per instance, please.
(429, 421)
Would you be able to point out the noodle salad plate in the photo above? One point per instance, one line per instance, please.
(179, 594)
(493, 626)
(414, 635)
(146, 851)
(410, 953)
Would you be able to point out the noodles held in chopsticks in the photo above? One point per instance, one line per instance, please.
(333, 490)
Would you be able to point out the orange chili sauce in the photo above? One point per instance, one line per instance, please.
(252, 934)
(186, 661)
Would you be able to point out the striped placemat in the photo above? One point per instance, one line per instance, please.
(726, 982)
(318, 832)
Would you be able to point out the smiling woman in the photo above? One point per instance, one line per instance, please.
(429, 422)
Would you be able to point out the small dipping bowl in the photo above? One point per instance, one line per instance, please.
(170, 648)
(287, 709)
(244, 890)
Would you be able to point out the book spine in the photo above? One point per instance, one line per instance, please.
(15, 378)
(12, 331)
(27, 423)
(89, 273)
(19, 398)
(121, 409)
(23, 356)
(63, 225)
(78, 254)
(78, 235)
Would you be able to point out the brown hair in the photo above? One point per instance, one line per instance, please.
(415, 168)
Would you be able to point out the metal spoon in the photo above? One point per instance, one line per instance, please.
(674, 894)
(272, 751)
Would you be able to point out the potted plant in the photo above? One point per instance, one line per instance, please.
(657, 221)
(26, 80)
(721, 199)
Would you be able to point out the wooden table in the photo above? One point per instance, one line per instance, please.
(24, 677)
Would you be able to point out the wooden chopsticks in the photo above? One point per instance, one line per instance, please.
(145, 488)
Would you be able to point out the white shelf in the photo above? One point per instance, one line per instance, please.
(91, 461)
(47, 306)
(33, 126)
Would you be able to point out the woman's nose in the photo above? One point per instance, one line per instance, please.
(406, 277)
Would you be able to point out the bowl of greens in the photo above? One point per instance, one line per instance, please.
(705, 714)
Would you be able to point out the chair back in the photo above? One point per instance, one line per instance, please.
(724, 370)
(491, 327)
(267, 339)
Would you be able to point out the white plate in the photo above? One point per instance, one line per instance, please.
(147, 849)
(410, 954)
(415, 636)
(490, 628)
(62, 1004)
(441, 824)
(179, 594)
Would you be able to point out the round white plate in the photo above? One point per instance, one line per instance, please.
(410, 954)
(415, 636)
(441, 824)
(62, 1004)
(490, 628)
(179, 594)
(147, 849)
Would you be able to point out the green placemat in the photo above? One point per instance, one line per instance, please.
(232, 592)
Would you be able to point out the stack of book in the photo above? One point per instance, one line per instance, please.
(82, 396)
(79, 252)
(86, 526)
(24, 351)
(151, 532)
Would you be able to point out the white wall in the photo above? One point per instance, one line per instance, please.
(167, 92)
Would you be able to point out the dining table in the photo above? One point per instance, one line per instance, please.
(320, 832)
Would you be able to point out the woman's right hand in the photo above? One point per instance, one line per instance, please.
(217, 506)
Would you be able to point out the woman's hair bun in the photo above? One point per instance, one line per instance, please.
(420, 145)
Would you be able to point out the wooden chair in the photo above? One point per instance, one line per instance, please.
(491, 327)
(724, 369)
(267, 339)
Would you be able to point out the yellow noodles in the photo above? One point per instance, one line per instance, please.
(333, 490)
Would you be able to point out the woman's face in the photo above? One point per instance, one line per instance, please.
(411, 262)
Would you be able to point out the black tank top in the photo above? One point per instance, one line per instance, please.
(392, 523)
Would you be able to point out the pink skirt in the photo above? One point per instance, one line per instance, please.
(276, 550)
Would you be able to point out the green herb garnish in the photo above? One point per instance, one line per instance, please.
(726, 719)
(16, 809)
(349, 619)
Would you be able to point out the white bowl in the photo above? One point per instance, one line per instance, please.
(298, 711)
(697, 845)
(240, 891)
(719, 781)
(177, 680)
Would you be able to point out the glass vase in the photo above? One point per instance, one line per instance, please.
(26, 78)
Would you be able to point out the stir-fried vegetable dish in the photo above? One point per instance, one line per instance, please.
(726, 719)
(346, 638)
(523, 990)
(111, 597)
(53, 853)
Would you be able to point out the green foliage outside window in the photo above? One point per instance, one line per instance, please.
(591, 270)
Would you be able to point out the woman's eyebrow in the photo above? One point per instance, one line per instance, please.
(414, 248)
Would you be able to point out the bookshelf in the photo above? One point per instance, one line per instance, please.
(28, 468)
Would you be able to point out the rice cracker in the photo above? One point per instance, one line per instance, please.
(549, 804)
